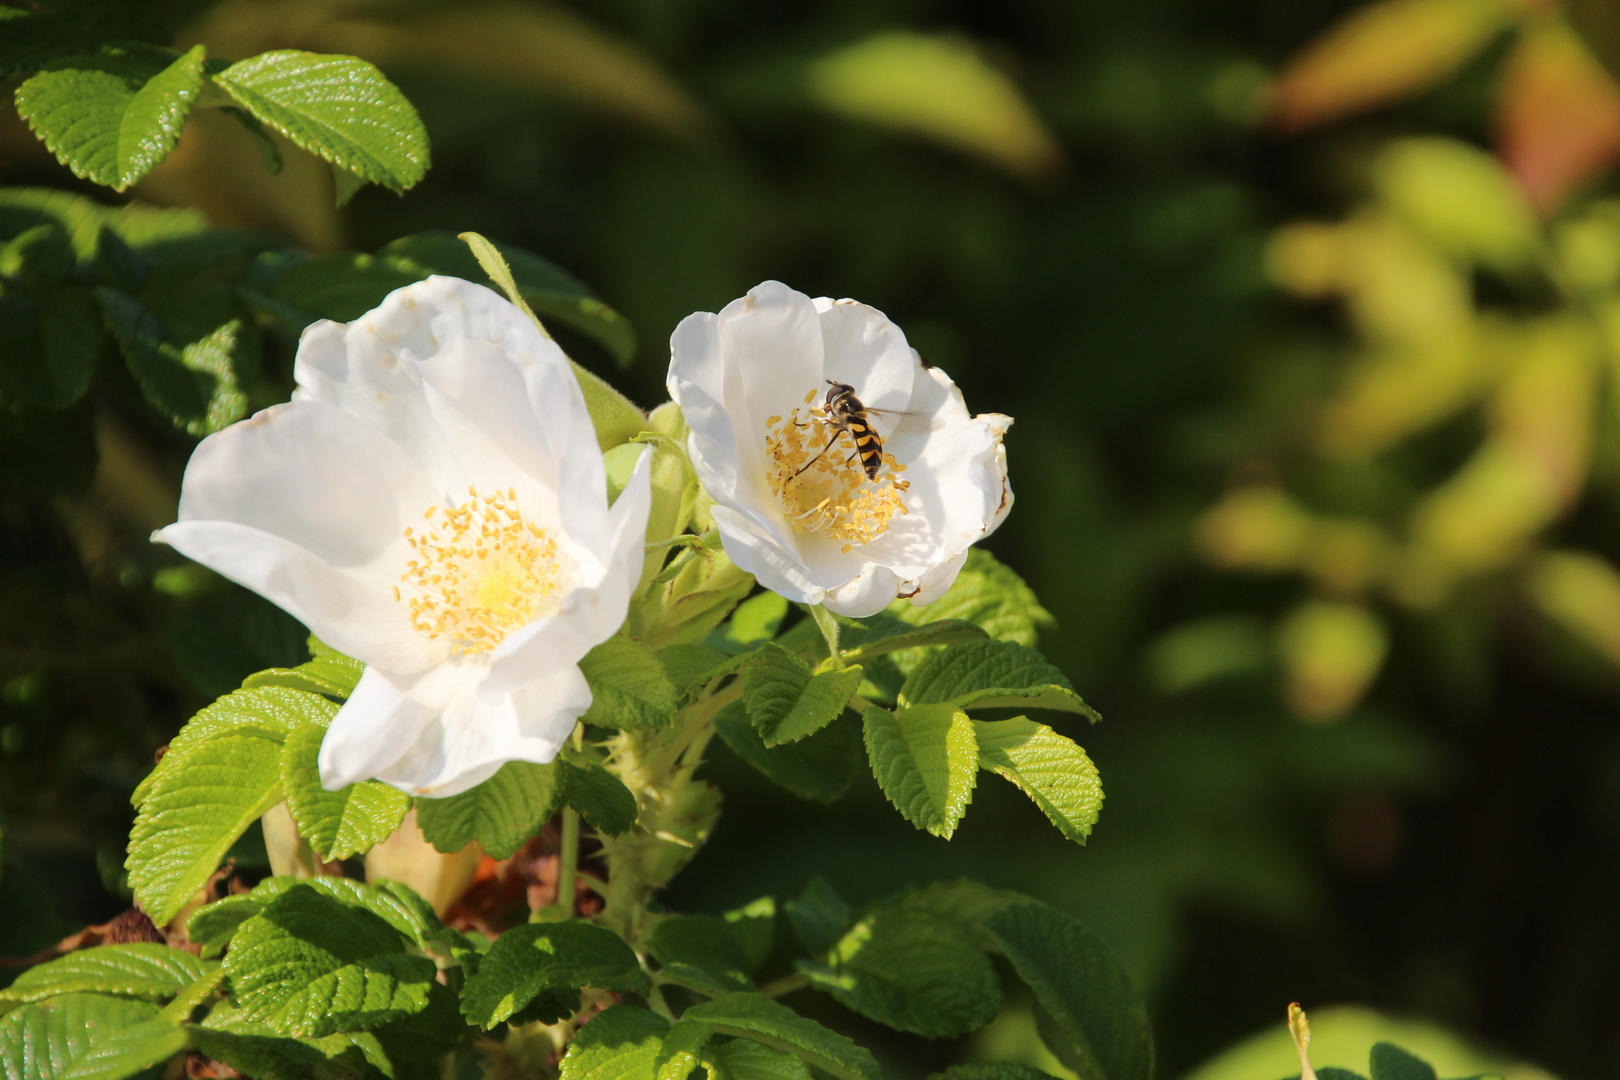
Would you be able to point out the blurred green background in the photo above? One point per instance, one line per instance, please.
(1309, 316)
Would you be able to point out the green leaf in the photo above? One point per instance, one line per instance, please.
(986, 593)
(755, 620)
(212, 925)
(926, 761)
(969, 904)
(1051, 769)
(257, 1050)
(992, 1071)
(991, 674)
(629, 687)
(331, 674)
(195, 811)
(754, 1016)
(53, 340)
(680, 1053)
(194, 383)
(819, 768)
(1390, 1062)
(396, 904)
(1099, 1025)
(339, 108)
(619, 1043)
(744, 1059)
(702, 952)
(535, 957)
(912, 971)
(308, 966)
(38, 257)
(111, 117)
(501, 813)
(692, 666)
(786, 701)
(819, 915)
(552, 293)
(883, 633)
(342, 286)
(755, 926)
(85, 1037)
(600, 797)
(270, 711)
(139, 970)
(337, 824)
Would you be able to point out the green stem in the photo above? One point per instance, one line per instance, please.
(785, 985)
(570, 860)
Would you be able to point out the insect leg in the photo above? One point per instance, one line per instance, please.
(824, 449)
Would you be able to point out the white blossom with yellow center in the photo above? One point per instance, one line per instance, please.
(803, 516)
(432, 502)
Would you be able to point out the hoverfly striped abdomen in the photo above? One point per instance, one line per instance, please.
(846, 413)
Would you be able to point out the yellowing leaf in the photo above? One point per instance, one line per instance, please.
(939, 88)
(1560, 114)
(1460, 199)
(1330, 652)
(1383, 52)
(1581, 593)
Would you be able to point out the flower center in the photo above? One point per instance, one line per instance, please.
(480, 572)
(824, 489)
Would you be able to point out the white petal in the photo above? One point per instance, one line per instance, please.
(353, 610)
(374, 729)
(588, 615)
(934, 584)
(869, 353)
(771, 338)
(762, 555)
(310, 473)
(472, 738)
(868, 594)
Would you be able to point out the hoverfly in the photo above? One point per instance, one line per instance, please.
(844, 412)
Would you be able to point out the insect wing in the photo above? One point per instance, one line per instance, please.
(890, 423)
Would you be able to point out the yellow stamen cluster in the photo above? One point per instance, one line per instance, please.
(480, 572)
(833, 496)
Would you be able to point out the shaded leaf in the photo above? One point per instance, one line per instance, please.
(501, 813)
(912, 971)
(1098, 1023)
(756, 1017)
(599, 796)
(819, 768)
(530, 959)
(819, 915)
(702, 952)
(744, 1059)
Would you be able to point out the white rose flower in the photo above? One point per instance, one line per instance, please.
(815, 524)
(432, 502)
